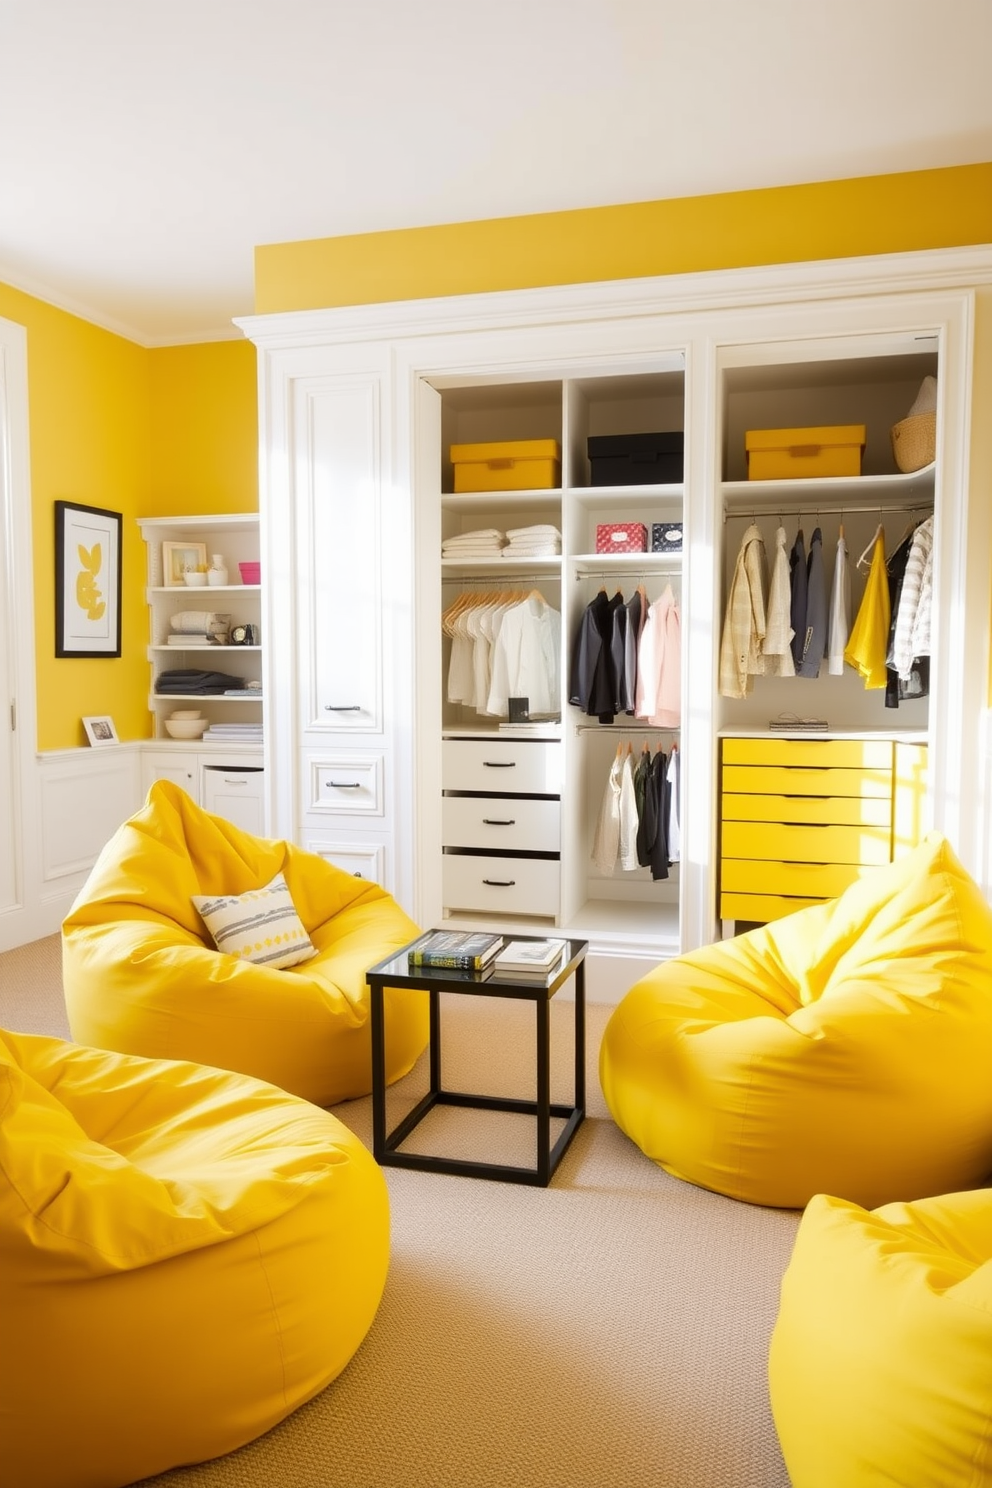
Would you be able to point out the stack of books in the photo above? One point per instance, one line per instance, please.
(190, 638)
(539, 959)
(454, 950)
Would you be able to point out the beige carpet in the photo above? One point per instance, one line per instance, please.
(608, 1332)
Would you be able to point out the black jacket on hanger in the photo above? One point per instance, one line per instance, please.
(592, 678)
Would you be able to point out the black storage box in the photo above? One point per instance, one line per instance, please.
(636, 459)
(666, 537)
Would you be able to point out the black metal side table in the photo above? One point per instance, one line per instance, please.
(396, 972)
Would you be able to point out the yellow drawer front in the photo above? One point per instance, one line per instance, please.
(851, 811)
(793, 880)
(777, 781)
(761, 907)
(846, 754)
(806, 844)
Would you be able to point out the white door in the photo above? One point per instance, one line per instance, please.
(19, 834)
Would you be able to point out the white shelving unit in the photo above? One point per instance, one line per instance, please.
(236, 537)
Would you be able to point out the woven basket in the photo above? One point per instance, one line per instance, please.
(914, 441)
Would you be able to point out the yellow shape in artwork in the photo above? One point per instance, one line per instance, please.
(88, 596)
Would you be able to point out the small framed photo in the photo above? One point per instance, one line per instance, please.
(87, 580)
(100, 730)
(178, 558)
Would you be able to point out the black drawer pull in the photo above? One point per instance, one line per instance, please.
(495, 821)
(500, 764)
(342, 707)
(345, 784)
(500, 883)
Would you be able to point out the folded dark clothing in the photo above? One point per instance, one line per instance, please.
(195, 679)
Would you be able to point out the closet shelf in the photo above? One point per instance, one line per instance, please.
(849, 492)
(491, 569)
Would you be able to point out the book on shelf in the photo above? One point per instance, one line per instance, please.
(535, 957)
(454, 950)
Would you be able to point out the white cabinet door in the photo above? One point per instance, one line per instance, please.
(172, 765)
(236, 795)
(338, 497)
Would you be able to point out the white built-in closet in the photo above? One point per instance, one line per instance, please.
(358, 410)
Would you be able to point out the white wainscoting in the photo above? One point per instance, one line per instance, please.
(84, 796)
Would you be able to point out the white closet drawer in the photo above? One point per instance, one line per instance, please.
(511, 766)
(524, 826)
(500, 885)
(346, 783)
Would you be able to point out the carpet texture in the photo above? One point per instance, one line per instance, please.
(610, 1331)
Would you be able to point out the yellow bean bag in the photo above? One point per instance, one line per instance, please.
(143, 976)
(186, 1255)
(880, 1367)
(844, 1049)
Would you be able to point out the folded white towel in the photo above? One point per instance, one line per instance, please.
(481, 534)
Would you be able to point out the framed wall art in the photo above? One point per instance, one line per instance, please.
(180, 558)
(87, 580)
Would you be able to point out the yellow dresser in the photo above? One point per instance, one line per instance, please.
(801, 819)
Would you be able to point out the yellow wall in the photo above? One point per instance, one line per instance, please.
(832, 219)
(204, 429)
(136, 431)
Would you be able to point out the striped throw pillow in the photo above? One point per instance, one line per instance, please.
(261, 926)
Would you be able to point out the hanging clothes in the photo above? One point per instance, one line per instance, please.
(912, 626)
(776, 648)
(896, 689)
(659, 664)
(656, 807)
(637, 609)
(623, 700)
(814, 631)
(606, 838)
(840, 606)
(526, 658)
(592, 682)
(799, 577)
(629, 822)
(744, 622)
(868, 641)
(673, 775)
(642, 771)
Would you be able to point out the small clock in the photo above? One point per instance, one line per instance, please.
(243, 635)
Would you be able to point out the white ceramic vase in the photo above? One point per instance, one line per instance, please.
(217, 572)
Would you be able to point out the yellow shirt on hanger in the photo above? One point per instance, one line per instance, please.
(869, 639)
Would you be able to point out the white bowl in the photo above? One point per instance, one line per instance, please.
(196, 580)
(186, 713)
(185, 728)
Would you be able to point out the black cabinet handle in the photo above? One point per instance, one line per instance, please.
(495, 821)
(500, 764)
(500, 883)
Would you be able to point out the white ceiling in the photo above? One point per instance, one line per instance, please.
(149, 145)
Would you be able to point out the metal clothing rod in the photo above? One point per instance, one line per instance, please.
(811, 509)
(517, 579)
(621, 728)
(625, 573)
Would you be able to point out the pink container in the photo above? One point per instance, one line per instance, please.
(251, 573)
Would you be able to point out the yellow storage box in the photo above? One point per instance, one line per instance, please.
(508, 465)
(798, 454)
